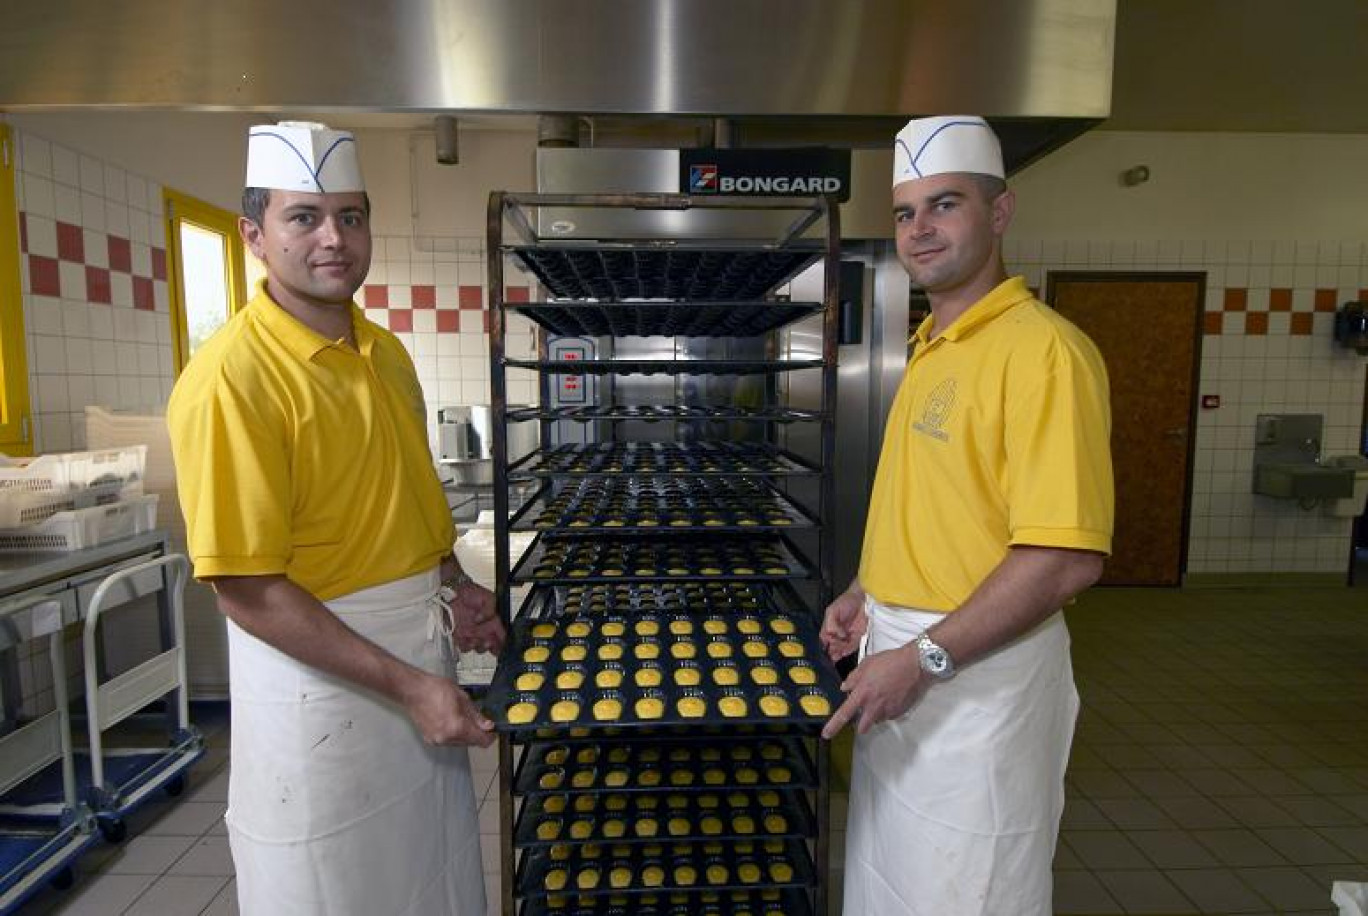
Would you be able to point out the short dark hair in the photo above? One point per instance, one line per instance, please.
(256, 200)
(990, 186)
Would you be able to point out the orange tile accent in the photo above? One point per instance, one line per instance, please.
(1236, 299)
(1256, 323)
(1280, 300)
(1301, 324)
(1326, 300)
(1212, 322)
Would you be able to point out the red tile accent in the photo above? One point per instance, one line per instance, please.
(487, 316)
(44, 279)
(517, 294)
(424, 297)
(1256, 323)
(1236, 299)
(377, 297)
(1301, 324)
(70, 243)
(1212, 322)
(470, 297)
(449, 322)
(401, 319)
(1280, 300)
(23, 232)
(158, 263)
(142, 294)
(120, 255)
(97, 285)
(1363, 295)
(1326, 300)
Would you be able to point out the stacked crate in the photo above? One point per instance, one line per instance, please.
(73, 500)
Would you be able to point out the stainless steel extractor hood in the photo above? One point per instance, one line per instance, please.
(1035, 59)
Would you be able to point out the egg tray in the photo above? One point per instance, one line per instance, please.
(716, 865)
(661, 458)
(653, 272)
(678, 557)
(767, 902)
(674, 816)
(772, 763)
(665, 319)
(698, 504)
(628, 599)
(656, 413)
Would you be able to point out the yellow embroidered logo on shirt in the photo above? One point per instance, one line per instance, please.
(936, 410)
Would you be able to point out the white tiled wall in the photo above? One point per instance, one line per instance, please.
(99, 329)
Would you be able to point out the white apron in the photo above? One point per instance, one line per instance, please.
(336, 807)
(954, 807)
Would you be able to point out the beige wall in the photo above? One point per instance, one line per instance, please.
(1249, 186)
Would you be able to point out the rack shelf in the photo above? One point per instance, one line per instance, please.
(641, 270)
(666, 319)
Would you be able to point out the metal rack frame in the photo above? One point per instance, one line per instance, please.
(512, 210)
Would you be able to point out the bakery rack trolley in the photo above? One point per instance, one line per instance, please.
(39, 850)
(667, 648)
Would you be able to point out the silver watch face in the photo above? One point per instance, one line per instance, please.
(934, 659)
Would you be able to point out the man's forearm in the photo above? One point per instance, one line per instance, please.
(288, 618)
(1029, 585)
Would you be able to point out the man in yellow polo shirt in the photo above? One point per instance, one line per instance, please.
(312, 506)
(992, 507)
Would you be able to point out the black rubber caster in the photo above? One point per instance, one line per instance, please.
(63, 879)
(114, 830)
(176, 786)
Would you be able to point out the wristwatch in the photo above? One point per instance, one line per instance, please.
(449, 586)
(935, 661)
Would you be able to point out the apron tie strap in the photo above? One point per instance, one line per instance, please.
(441, 618)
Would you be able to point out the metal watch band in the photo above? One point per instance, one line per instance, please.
(934, 659)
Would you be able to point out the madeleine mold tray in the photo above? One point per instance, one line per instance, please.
(762, 902)
(676, 816)
(650, 504)
(657, 458)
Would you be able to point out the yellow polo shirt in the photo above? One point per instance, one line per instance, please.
(298, 455)
(999, 435)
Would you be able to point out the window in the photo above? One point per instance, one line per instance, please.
(15, 437)
(205, 264)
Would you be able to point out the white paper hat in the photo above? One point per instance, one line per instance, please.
(954, 143)
(302, 156)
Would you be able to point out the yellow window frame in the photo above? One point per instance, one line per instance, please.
(182, 208)
(15, 429)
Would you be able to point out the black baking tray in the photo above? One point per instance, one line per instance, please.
(760, 557)
(663, 366)
(629, 598)
(657, 458)
(651, 505)
(676, 817)
(731, 858)
(774, 762)
(665, 319)
(653, 272)
(765, 902)
(654, 413)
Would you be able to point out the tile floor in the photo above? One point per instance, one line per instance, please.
(1220, 767)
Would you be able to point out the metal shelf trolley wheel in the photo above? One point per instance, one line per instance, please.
(39, 842)
(124, 778)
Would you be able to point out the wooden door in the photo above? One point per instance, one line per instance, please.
(1148, 327)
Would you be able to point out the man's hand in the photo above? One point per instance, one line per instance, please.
(844, 624)
(444, 714)
(883, 687)
(477, 624)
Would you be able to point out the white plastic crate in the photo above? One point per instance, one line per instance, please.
(33, 489)
(76, 529)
